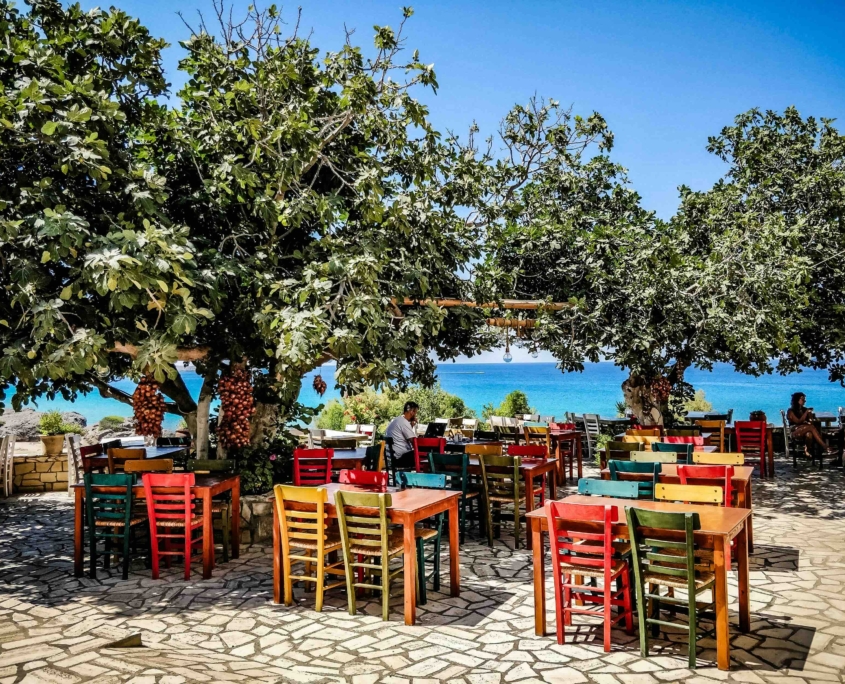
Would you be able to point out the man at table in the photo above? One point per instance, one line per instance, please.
(402, 431)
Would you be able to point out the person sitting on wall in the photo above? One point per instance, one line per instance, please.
(402, 430)
(802, 421)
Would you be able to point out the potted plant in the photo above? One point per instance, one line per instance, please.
(53, 429)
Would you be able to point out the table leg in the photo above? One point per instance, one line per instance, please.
(553, 484)
(770, 443)
(78, 532)
(235, 532)
(277, 558)
(539, 578)
(749, 523)
(580, 457)
(723, 647)
(454, 550)
(741, 546)
(207, 535)
(411, 571)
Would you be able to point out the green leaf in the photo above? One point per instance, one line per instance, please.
(49, 128)
(45, 257)
(67, 293)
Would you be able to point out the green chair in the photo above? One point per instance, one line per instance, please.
(660, 561)
(110, 516)
(619, 451)
(684, 451)
(427, 481)
(617, 490)
(456, 469)
(620, 469)
(221, 506)
(502, 487)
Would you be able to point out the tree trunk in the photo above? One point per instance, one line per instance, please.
(177, 390)
(639, 400)
(200, 432)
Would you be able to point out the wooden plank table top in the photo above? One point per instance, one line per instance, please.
(719, 526)
(408, 507)
(101, 462)
(206, 487)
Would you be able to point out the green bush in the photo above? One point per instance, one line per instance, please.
(111, 422)
(514, 403)
(698, 403)
(52, 423)
(332, 417)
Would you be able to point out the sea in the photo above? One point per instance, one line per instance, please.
(550, 392)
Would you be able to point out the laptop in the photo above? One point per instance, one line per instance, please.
(436, 429)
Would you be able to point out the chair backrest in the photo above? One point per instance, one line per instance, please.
(644, 440)
(149, 465)
(618, 490)
(117, 457)
(567, 541)
(716, 428)
(374, 457)
(92, 450)
(787, 433)
(620, 451)
(622, 446)
(425, 445)
(684, 432)
(484, 449)
(654, 457)
(75, 467)
(500, 475)
(105, 505)
(351, 427)
(315, 438)
(536, 432)
(592, 425)
(528, 450)
(422, 480)
(750, 436)
(112, 444)
(365, 478)
(562, 427)
(718, 459)
(164, 442)
(210, 465)
(301, 526)
(645, 432)
(312, 467)
(454, 466)
(695, 440)
(625, 470)
(548, 420)
(369, 430)
(529, 416)
(683, 451)
(712, 475)
(367, 528)
(169, 497)
(486, 435)
(688, 493)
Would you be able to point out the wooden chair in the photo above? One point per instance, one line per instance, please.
(112, 444)
(616, 490)
(365, 478)
(110, 516)
(577, 554)
(117, 457)
(660, 560)
(751, 441)
(149, 465)
(312, 467)
(502, 484)
(172, 510)
(87, 452)
(7, 465)
(592, 429)
(703, 458)
(424, 446)
(645, 432)
(697, 441)
(624, 470)
(709, 475)
(684, 432)
(220, 505)
(75, 465)
(352, 427)
(654, 457)
(374, 457)
(792, 446)
(307, 538)
(643, 440)
(427, 481)
(370, 431)
(486, 435)
(456, 469)
(479, 450)
(532, 451)
(683, 452)
(618, 451)
(536, 433)
(367, 535)
(716, 428)
(688, 493)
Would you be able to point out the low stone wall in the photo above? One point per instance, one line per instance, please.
(40, 473)
(256, 519)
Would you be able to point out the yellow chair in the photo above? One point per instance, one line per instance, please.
(645, 432)
(641, 439)
(654, 457)
(689, 493)
(483, 449)
(308, 532)
(702, 458)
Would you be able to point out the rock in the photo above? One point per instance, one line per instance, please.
(24, 423)
(96, 434)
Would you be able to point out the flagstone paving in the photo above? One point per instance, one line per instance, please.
(56, 628)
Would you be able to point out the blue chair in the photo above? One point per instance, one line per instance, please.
(619, 470)
(619, 489)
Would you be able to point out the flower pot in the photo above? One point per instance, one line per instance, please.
(53, 444)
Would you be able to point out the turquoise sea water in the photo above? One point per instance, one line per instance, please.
(550, 392)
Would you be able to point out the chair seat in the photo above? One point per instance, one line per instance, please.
(196, 521)
(505, 499)
(471, 494)
(395, 542)
(332, 543)
(120, 523)
(573, 569)
(620, 548)
(220, 506)
(702, 579)
(424, 533)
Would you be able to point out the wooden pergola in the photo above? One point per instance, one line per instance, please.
(505, 304)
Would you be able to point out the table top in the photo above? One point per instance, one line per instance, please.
(203, 481)
(715, 520)
(741, 473)
(151, 452)
(407, 500)
(526, 464)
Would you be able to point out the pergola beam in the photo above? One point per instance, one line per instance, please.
(511, 322)
(517, 304)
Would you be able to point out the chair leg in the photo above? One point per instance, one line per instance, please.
(438, 541)
(127, 532)
(286, 564)
(385, 588)
(226, 520)
(626, 601)
(188, 535)
(462, 522)
(516, 524)
(608, 616)
(350, 583)
(92, 535)
(642, 613)
(489, 518)
(154, 550)
(421, 579)
(321, 584)
(693, 629)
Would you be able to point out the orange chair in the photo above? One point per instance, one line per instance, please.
(365, 478)
(714, 475)
(312, 467)
(751, 440)
(577, 554)
(423, 446)
(168, 509)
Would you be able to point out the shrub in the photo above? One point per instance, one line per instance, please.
(111, 422)
(698, 403)
(514, 403)
(52, 423)
(332, 417)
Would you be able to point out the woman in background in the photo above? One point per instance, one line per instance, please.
(803, 421)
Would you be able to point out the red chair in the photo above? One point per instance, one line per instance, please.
(86, 452)
(751, 441)
(170, 505)
(565, 451)
(424, 446)
(366, 478)
(312, 467)
(697, 442)
(715, 475)
(577, 554)
(561, 427)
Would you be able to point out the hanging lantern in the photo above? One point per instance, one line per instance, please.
(508, 357)
(148, 407)
(237, 404)
(319, 385)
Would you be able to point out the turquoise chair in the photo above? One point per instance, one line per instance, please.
(683, 450)
(646, 489)
(619, 489)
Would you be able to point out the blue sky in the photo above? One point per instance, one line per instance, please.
(666, 75)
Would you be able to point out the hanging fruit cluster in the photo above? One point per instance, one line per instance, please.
(235, 389)
(319, 385)
(660, 389)
(148, 405)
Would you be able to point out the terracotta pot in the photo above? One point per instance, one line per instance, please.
(53, 444)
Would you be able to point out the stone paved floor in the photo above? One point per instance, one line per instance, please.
(55, 628)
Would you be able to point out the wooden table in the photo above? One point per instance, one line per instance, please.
(102, 462)
(741, 483)
(409, 506)
(573, 437)
(206, 487)
(718, 527)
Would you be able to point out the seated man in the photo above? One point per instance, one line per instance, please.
(402, 431)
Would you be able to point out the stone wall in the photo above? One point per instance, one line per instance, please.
(40, 473)
(256, 519)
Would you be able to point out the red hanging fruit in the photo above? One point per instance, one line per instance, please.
(237, 405)
(319, 385)
(148, 406)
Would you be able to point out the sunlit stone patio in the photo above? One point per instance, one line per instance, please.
(55, 628)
